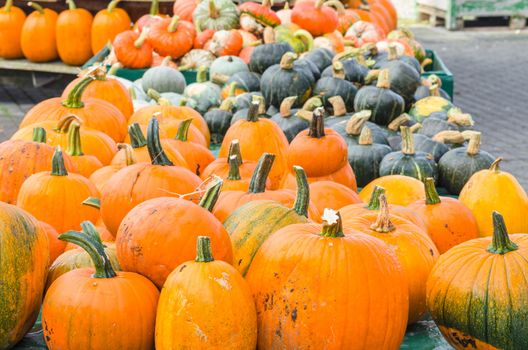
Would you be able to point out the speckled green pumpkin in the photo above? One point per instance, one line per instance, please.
(404, 79)
(352, 138)
(354, 72)
(425, 144)
(216, 14)
(267, 55)
(246, 81)
(163, 79)
(243, 101)
(423, 108)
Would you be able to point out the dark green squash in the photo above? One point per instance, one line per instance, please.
(204, 92)
(310, 67)
(404, 79)
(423, 108)
(267, 55)
(354, 72)
(454, 119)
(242, 114)
(408, 162)
(289, 120)
(459, 164)
(365, 157)
(244, 100)
(424, 89)
(321, 57)
(385, 104)
(392, 55)
(350, 128)
(336, 85)
(283, 80)
(425, 144)
(395, 139)
(245, 81)
(219, 120)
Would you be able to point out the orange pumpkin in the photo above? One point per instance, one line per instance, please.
(56, 246)
(107, 24)
(38, 41)
(220, 313)
(172, 37)
(101, 176)
(184, 9)
(11, 22)
(225, 43)
(151, 18)
(129, 300)
(86, 164)
(448, 221)
(95, 113)
(139, 182)
(74, 27)
(401, 190)
(315, 17)
(133, 50)
(363, 32)
(415, 250)
(345, 17)
(333, 195)
(347, 306)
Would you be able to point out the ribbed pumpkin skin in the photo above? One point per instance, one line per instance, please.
(278, 83)
(321, 57)
(106, 25)
(401, 190)
(11, 23)
(218, 122)
(24, 262)
(337, 310)
(265, 56)
(218, 301)
(328, 87)
(74, 30)
(365, 161)
(471, 291)
(404, 79)
(385, 104)
(251, 224)
(419, 165)
(333, 195)
(56, 246)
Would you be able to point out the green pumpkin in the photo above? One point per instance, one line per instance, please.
(365, 157)
(354, 72)
(284, 80)
(226, 66)
(290, 120)
(245, 81)
(339, 110)
(321, 57)
(251, 224)
(205, 93)
(350, 128)
(299, 39)
(404, 79)
(424, 107)
(336, 85)
(408, 162)
(216, 15)
(459, 164)
(267, 55)
(163, 79)
(24, 263)
(219, 120)
(435, 147)
(244, 101)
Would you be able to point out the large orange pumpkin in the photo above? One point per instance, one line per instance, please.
(107, 24)
(358, 300)
(11, 22)
(121, 305)
(93, 112)
(332, 195)
(56, 246)
(38, 41)
(315, 17)
(74, 27)
(217, 299)
(401, 190)
(84, 163)
(221, 167)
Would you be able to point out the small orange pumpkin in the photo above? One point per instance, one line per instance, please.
(74, 27)
(133, 50)
(107, 24)
(315, 17)
(172, 37)
(11, 23)
(38, 41)
(401, 190)
(101, 176)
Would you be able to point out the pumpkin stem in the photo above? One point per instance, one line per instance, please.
(383, 79)
(338, 105)
(383, 224)
(393, 52)
(74, 141)
(36, 7)
(260, 175)
(132, 92)
(302, 201)
(74, 97)
(286, 5)
(474, 144)
(374, 203)
(92, 202)
(71, 4)
(227, 105)
(286, 106)
(155, 150)
(234, 150)
(183, 130)
(253, 112)
(266, 3)
(431, 195)
(317, 125)
(213, 11)
(449, 137)
(173, 25)
(434, 90)
(268, 35)
(8, 5)
(153, 94)
(57, 163)
(221, 79)
(39, 134)
(312, 103)
(338, 6)
(234, 169)
(64, 124)
(398, 122)
(332, 224)
(415, 127)
(112, 5)
(455, 115)
(306, 38)
(338, 71)
(210, 196)
(356, 123)
(365, 137)
(204, 253)
(114, 68)
(142, 37)
(137, 139)
(154, 8)
(201, 75)
(130, 157)
(287, 60)
(166, 60)
(500, 243)
(90, 241)
(407, 141)
(319, 3)
(495, 165)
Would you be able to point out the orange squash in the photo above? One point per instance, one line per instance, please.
(11, 22)
(185, 8)
(172, 37)
(315, 17)
(56, 246)
(133, 50)
(86, 164)
(151, 18)
(218, 311)
(74, 27)
(110, 298)
(101, 176)
(107, 24)
(332, 195)
(401, 190)
(38, 41)
(221, 166)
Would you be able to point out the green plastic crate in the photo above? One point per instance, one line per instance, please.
(439, 68)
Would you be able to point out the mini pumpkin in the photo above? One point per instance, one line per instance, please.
(216, 14)
(315, 17)
(107, 24)
(73, 33)
(132, 49)
(172, 37)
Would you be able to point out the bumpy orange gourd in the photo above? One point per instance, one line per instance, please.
(315, 17)
(172, 37)
(74, 27)
(112, 310)
(401, 190)
(38, 41)
(11, 22)
(337, 310)
(107, 24)
(215, 296)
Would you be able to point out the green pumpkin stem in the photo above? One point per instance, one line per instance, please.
(137, 139)
(332, 224)
(71, 4)
(210, 196)
(90, 241)
(287, 60)
(74, 97)
(495, 165)
(8, 5)
(383, 79)
(112, 5)
(114, 68)
(39, 135)
(154, 8)
(431, 195)
(374, 203)
(130, 157)
(204, 253)
(153, 94)
(234, 150)
(173, 25)
(234, 169)
(306, 38)
(302, 201)
(227, 105)
(213, 11)
(183, 130)
(253, 112)
(500, 243)
(365, 137)
(142, 38)
(260, 175)
(57, 163)
(356, 123)
(201, 75)
(74, 141)
(407, 141)
(155, 150)
(383, 224)
(64, 124)
(36, 7)
(473, 147)
(312, 103)
(316, 129)
(92, 202)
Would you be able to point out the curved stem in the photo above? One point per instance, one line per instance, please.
(434, 90)
(36, 7)
(396, 124)
(407, 141)
(8, 5)
(114, 68)
(431, 195)
(227, 105)
(306, 38)
(92, 202)
(500, 243)
(338, 70)
(337, 5)
(287, 60)
(383, 79)
(153, 94)
(356, 123)
(166, 61)
(137, 139)
(57, 163)
(173, 25)
(74, 140)
(210, 196)
(286, 106)
(130, 157)
(332, 224)
(74, 99)
(183, 130)
(374, 203)
(201, 75)
(495, 165)
(234, 150)
(319, 4)
(365, 137)
(234, 169)
(71, 4)
(338, 105)
(260, 175)
(112, 5)
(90, 241)
(312, 103)
(302, 201)
(253, 112)
(473, 147)
(154, 8)
(39, 135)
(213, 11)
(64, 124)
(383, 224)
(142, 37)
(317, 125)
(204, 253)
(155, 150)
